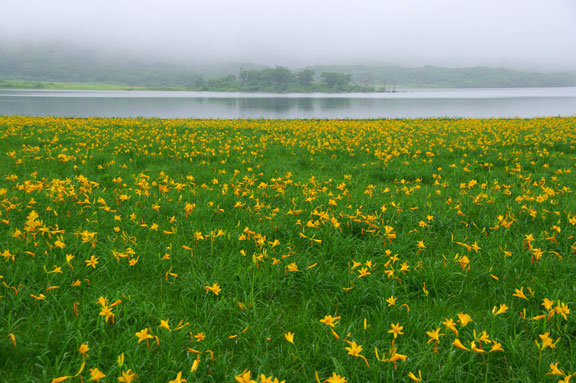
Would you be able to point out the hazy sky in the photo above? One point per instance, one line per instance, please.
(531, 34)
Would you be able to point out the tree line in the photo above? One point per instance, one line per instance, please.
(391, 76)
(62, 65)
(281, 80)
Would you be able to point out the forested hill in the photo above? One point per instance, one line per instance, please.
(441, 77)
(57, 64)
(71, 66)
(42, 68)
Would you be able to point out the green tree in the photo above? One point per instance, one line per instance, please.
(336, 81)
(305, 78)
(281, 79)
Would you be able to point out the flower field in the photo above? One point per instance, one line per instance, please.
(266, 251)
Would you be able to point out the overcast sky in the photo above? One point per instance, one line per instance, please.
(526, 34)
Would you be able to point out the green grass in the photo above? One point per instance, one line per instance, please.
(56, 85)
(447, 183)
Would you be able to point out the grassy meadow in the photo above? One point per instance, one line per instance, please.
(153, 250)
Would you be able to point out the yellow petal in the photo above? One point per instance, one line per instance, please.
(81, 368)
(195, 364)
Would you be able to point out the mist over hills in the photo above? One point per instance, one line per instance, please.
(392, 76)
(63, 64)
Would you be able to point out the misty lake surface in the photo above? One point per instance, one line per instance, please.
(411, 103)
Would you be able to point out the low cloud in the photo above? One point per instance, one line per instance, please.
(529, 34)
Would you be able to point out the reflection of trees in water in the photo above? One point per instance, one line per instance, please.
(267, 104)
(306, 104)
(334, 103)
(282, 105)
(228, 102)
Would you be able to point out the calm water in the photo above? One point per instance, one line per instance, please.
(524, 102)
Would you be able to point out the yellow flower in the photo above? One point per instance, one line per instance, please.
(482, 337)
(57, 270)
(195, 364)
(215, 288)
(289, 337)
(354, 349)
(547, 341)
(396, 357)
(293, 267)
(93, 261)
(496, 347)
(548, 304)
(12, 338)
(519, 293)
(497, 311)
(420, 246)
(264, 379)
(336, 379)
(120, 360)
(164, 324)
(84, 349)
(96, 374)
(414, 377)
(554, 370)
(529, 239)
(459, 345)
(178, 379)
(475, 247)
(330, 320)
(106, 311)
(464, 319)
(476, 349)
(391, 301)
(562, 309)
(127, 376)
(434, 335)
(451, 325)
(143, 335)
(59, 243)
(396, 329)
(363, 272)
(244, 377)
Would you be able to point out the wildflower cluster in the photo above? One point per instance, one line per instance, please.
(287, 251)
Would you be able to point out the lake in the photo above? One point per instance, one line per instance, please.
(411, 103)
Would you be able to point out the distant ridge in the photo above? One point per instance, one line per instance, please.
(61, 64)
(441, 77)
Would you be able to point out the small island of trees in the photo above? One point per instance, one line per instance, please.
(281, 80)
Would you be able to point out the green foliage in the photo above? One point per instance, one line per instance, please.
(336, 81)
(305, 78)
(281, 79)
(387, 77)
(38, 70)
(329, 197)
(39, 66)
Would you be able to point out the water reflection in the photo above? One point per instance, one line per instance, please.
(424, 103)
(285, 105)
(337, 103)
